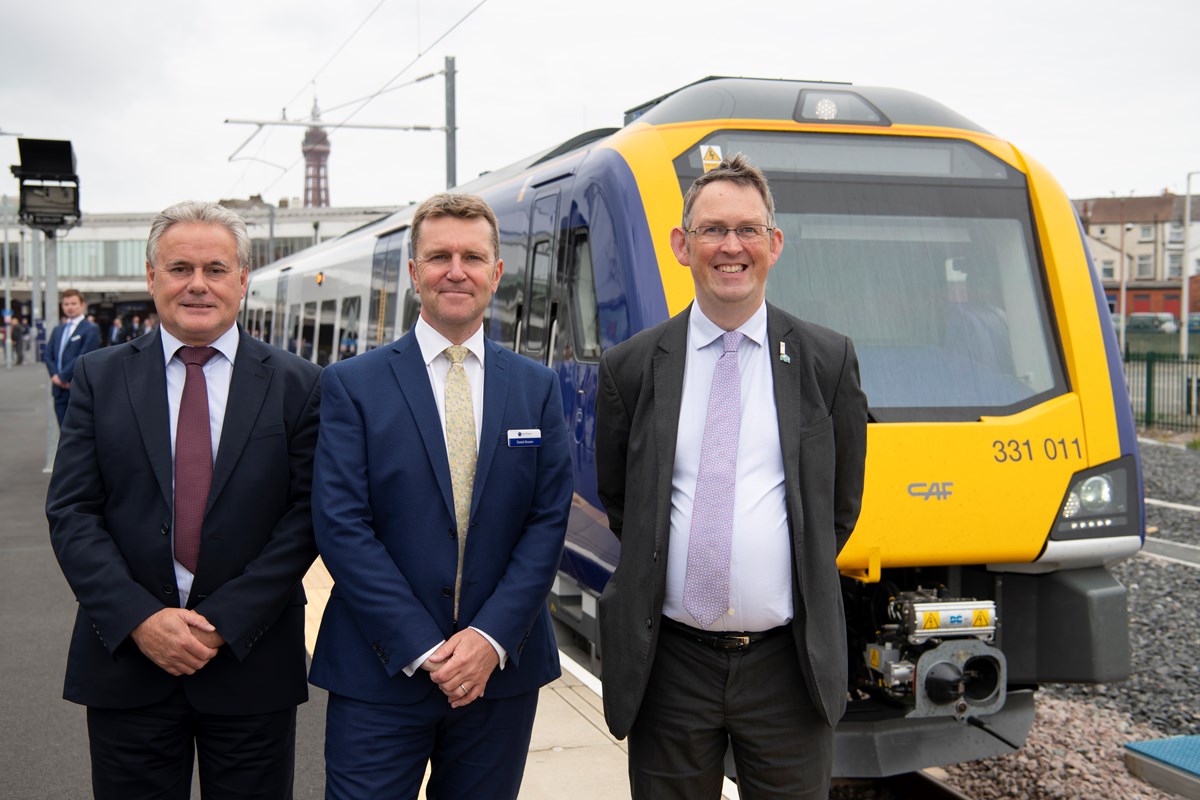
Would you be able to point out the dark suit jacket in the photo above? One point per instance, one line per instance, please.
(383, 510)
(822, 432)
(110, 512)
(84, 339)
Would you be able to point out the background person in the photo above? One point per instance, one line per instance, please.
(440, 501)
(730, 446)
(179, 510)
(70, 339)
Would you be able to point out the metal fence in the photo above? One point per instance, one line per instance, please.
(1164, 390)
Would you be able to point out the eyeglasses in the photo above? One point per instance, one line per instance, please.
(713, 234)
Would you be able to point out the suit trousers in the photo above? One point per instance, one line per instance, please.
(148, 752)
(379, 751)
(699, 701)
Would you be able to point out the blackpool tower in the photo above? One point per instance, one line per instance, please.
(316, 157)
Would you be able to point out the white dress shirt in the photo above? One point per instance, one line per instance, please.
(437, 364)
(760, 579)
(217, 374)
(68, 329)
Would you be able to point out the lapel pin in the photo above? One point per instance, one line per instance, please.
(783, 356)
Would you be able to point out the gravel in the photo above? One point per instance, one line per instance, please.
(1075, 749)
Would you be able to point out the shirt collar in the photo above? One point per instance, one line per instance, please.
(226, 344)
(432, 343)
(73, 321)
(702, 331)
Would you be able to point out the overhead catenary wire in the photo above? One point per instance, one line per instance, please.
(385, 88)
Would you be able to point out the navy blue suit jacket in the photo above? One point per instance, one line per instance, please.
(383, 512)
(110, 511)
(84, 339)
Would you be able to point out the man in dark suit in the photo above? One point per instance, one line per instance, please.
(186, 559)
(730, 446)
(440, 500)
(116, 332)
(68, 341)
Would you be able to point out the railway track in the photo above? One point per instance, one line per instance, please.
(924, 785)
(1174, 552)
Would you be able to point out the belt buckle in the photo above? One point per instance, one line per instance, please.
(734, 643)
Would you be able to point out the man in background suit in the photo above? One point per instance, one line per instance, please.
(68, 341)
(440, 500)
(116, 332)
(730, 446)
(186, 559)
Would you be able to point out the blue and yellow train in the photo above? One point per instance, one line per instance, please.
(1002, 472)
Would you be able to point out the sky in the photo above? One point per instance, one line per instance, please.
(1102, 93)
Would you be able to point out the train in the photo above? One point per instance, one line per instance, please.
(1003, 478)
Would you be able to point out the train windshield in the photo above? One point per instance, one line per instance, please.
(923, 252)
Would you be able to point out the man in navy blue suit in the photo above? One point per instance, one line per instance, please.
(441, 493)
(69, 341)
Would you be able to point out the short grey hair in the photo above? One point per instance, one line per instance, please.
(738, 169)
(458, 206)
(204, 213)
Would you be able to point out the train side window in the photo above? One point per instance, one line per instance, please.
(351, 310)
(539, 298)
(280, 306)
(325, 332)
(293, 344)
(507, 303)
(265, 327)
(584, 312)
(307, 330)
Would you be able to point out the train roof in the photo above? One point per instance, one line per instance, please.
(717, 97)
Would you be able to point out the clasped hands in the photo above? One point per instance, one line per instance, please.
(461, 667)
(179, 640)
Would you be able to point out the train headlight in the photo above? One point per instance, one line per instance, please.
(1096, 494)
(1100, 502)
(837, 105)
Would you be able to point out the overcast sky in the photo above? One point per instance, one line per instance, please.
(1103, 93)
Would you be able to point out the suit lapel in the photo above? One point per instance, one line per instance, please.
(412, 377)
(146, 382)
(248, 386)
(495, 399)
(791, 411)
(670, 358)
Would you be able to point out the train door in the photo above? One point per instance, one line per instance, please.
(537, 328)
(386, 268)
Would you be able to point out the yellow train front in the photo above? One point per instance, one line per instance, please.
(1002, 471)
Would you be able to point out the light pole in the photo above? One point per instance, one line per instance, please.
(1185, 267)
(8, 319)
(1124, 279)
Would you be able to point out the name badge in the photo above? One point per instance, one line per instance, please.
(530, 437)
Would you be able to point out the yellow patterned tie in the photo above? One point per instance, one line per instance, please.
(461, 448)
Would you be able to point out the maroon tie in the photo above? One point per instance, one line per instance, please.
(193, 456)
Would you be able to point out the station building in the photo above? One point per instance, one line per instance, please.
(105, 255)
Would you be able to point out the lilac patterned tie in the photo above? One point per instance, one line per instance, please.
(193, 456)
(706, 587)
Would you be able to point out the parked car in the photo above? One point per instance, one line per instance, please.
(1154, 321)
(1194, 323)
